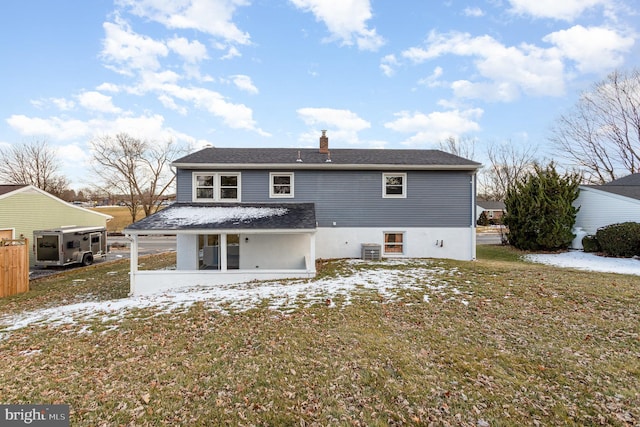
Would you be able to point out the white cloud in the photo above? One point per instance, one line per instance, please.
(55, 128)
(73, 156)
(231, 53)
(62, 129)
(63, 104)
(567, 10)
(525, 68)
(108, 87)
(433, 79)
(388, 64)
(192, 52)
(244, 83)
(343, 119)
(344, 125)
(475, 12)
(171, 104)
(214, 17)
(436, 126)
(236, 116)
(95, 101)
(346, 20)
(128, 51)
(594, 49)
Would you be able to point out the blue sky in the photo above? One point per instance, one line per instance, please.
(273, 73)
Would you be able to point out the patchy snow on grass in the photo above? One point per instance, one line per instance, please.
(588, 261)
(385, 281)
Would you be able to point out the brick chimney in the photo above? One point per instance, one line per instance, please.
(324, 143)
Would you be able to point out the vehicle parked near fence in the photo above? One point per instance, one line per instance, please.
(69, 245)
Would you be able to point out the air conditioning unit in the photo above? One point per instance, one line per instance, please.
(371, 251)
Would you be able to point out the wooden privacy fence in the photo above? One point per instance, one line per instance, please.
(14, 267)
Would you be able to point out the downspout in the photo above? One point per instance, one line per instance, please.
(473, 216)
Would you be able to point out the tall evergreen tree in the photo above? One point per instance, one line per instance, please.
(540, 212)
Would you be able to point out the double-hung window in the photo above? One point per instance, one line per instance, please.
(216, 187)
(394, 185)
(281, 185)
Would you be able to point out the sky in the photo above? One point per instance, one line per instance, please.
(273, 73)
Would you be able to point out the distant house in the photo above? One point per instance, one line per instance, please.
(24, 208)
(611, 203)
(494, 209)
(243, 214)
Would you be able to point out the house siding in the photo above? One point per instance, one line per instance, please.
(599, 208)
(354, 198)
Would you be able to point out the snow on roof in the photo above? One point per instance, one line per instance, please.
(191, 215)
(263, 216)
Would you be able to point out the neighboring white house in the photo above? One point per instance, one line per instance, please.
(615, 202)
(494, 209)
(267, 213)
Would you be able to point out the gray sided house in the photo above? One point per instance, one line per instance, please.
(267, 213)
(611, 203)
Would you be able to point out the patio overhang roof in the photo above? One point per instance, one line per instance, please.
(189, 218)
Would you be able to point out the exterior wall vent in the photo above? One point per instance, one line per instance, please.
(371, 251)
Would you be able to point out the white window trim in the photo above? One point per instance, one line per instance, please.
(216, 187)
(275, 195)
(404, 243)
(404, 186)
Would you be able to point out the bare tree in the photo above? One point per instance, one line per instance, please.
(33, 163)
(507, 165)
(601, 135)
(137, 169)
(463, 147)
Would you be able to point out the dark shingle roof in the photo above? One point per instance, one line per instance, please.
(491, 205)
(312, 157)
(628, 186)
(8, 188)
(229, 216)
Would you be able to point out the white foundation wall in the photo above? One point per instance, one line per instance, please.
(257, 251)
(154, 281)
(451, 243)
(274, 251)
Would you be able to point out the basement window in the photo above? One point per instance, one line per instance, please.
(394, 243)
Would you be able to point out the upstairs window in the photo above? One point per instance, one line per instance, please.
(281, 185)
(216, 187)
(394, 185)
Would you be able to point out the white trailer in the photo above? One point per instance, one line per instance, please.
(69, 245)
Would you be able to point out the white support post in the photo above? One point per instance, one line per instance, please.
(223, 252)
(312, 251)
(133, 263)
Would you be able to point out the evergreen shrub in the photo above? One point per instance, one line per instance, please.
(590, 244)
(620, 240)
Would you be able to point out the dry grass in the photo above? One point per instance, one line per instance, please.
(121, 217)
(536, 345)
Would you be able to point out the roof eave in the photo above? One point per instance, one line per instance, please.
(326, 165)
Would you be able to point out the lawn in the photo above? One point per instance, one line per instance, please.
(121, 217)
(487, 343)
